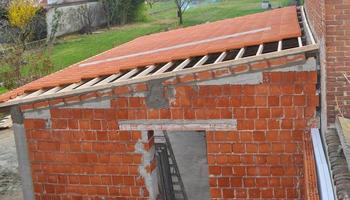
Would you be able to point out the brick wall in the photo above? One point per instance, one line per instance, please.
(330, 21)
(79, 153)
(83, 155)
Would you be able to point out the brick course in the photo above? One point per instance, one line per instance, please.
(81, 153)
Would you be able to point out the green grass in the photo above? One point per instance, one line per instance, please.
(75, 48)
(2, 90)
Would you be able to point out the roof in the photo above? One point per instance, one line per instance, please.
(176, 46)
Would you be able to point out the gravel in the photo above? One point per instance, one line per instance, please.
(10, 182)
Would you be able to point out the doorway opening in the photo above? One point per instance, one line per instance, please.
(182, 165)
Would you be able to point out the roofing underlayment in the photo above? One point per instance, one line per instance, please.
(176, 50)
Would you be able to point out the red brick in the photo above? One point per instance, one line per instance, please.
(259, 65)
(247, 100)
(299, 100)
(186, 78)
(221, 72)
(41, 104)
(140, 87)
(251, 113)
(240, 69)
(91, 95)
(72, 99)
(276, 62)
(121, 90)
(273, 101)
(204, 75)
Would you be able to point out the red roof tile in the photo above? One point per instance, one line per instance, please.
(177, 44)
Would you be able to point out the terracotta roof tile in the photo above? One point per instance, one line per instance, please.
(177, 44)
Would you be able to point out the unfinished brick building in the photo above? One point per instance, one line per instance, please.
(248, 85)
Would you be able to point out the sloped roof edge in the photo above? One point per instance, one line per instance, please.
(230, 63)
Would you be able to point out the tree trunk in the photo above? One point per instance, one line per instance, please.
(179, 14)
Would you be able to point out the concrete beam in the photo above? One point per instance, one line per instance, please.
(22, 154)
(179, 125)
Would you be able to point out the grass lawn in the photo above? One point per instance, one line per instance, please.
(2, 90)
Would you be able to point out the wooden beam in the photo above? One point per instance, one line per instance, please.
(182, 65)
(108, 79)
(34, 94)
(221, 57)
(146, 71)
(279, 48)
(51, 91)
(240, 54)
(300, 42)
(164, 68)
(89, 83)
(70, 87)
(18, 97)
(201, 61)
(260, 49)
(127, 75)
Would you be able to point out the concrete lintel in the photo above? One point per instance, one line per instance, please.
(96, 103)
(243, 79)
(22, 154)
(38, 114)
(180, 125)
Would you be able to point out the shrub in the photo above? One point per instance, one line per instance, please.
(21, 13)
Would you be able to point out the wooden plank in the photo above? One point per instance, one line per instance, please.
(260, 49)
(240, 54)
(127, 75)
(221, 57)
(18, 97)
(279, 48)
(51, 91)
(182, 65)
(89, 83)
(201, 61)
(70, 87)
(146, 71)
(300, 42)
(164, 68)
(34, 94)
(108, 79)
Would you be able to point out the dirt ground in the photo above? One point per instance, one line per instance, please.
(10, 183)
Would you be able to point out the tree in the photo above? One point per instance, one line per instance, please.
(119, 12)
(21, 14)
(87, 16)
(110, 10)
(151, 3)
(55, 25)
(181, 8)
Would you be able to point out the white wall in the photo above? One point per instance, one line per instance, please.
(69, 21)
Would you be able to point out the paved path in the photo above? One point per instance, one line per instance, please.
(10, 184)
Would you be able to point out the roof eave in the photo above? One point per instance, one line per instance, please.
(304, 49)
